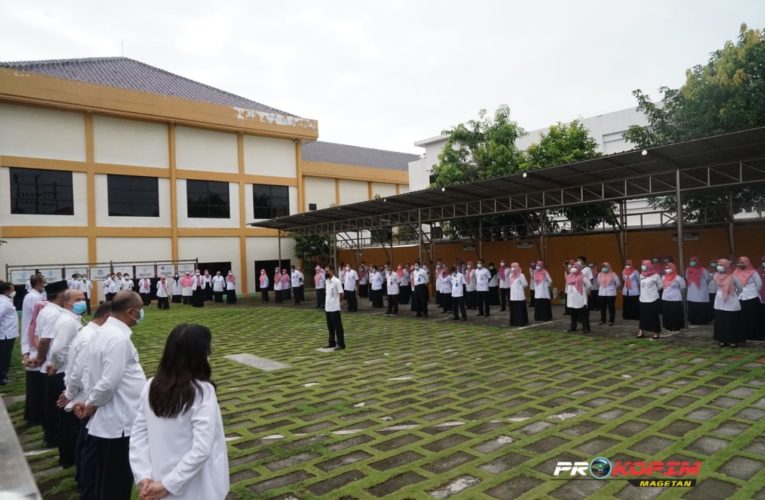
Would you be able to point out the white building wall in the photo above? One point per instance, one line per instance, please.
(269, 156)
(266, 248)
(130, 142)
(185, 221)
(102, 207)
(41, 133)
(319, 190)
(41, 251)
(133, 249)
(207, 150)
(403, 188)
(383, 189)
(353, 191)
(213, 249)
(79, 191)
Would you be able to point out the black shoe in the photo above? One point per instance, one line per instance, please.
(340, 348)
(455, 319)
(479, 314)
(569, 330)
(329, 347)
(5, 381)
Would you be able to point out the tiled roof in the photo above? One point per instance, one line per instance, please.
(353, 155)
(129, 74)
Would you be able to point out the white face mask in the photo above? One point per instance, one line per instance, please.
(537, 267)
(720, 269)
(573, 269)
(13, 294)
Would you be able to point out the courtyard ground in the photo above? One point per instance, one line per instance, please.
(438, 408)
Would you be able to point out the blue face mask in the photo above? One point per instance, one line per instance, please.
(140, 318)
(79, 307)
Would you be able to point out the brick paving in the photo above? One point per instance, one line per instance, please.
(448, 409)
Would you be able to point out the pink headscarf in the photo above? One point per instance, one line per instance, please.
(576, 279)
(541, 273)
(694, 273)
(724, 279)
(263, 278)
(515, 272)
(650, 269)
(186, 281)
(400, 271)
(669, 276)
(230, 277)
(318, 275)
(607, 278)
(627, 272)
(743, 275)
(762, 275)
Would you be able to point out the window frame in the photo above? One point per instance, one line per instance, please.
(62, 207)
(209, 213)
(260, 211)
(132, 202)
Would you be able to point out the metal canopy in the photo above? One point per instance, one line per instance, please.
(733, 159)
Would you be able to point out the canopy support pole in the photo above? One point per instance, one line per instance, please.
(681, 242)
(731, 229)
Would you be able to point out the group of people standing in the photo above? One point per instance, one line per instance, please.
(86, 388)
(286, 284)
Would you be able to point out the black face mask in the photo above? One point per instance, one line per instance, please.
(327, 276)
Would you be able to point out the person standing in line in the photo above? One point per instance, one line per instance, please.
(412, 294)
(176, 289)
(127, 283)
(504, 285)
(332, 310)
(198, 290)
(9, 329)
(207, 286)
(35, 380)
(319, 280)
(761, 310)
(673, 314)
(438, 286)
(542, 299)
(471, 296)
(404, 289)
(593, 304)
(364, 279)
(482, 277)
(278, 285)
(116, 381)
(728, 327)
(751, 285)
(458, 295)
(698, 293)
(446, 290)
(349, 285)
(630, 292)
(110, 287)
(163, 293)
(144, 290)
(420, 281)
(392, 284)
(263, 282)
(650, 285)
(532, 285)
(297, 285)
(87, 289)
(519, 315)
(187, 292)
(218, 287)
(577, 291)
(609, 283)
(493, 285)
(230, 288)
(377, 281)
(286, 284)
(177, 443)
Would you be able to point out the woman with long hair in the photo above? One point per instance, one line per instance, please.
(728, 327)
(177, 446)
(650, 300)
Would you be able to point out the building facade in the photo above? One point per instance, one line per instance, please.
(113, 160)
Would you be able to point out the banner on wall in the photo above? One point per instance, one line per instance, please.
(20, 276)
(186, 268)
(51, 273)
(144, 271)
(69, 271)
(124, 269)
(99, 273)
(166, 269)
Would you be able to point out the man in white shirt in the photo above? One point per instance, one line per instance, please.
(111, 287)
(296, 279)
(334, 294)
(420, 282)
(218, 287)
(9, 328)
(349, 287)
(116, 380)
(458, 295)
(87, 289)
(482, 277)
(35, 381)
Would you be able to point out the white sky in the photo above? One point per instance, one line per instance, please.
(387, 73)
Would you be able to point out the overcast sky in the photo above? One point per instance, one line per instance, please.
(387, 73)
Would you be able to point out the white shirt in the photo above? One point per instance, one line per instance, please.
(377, 280)
(649, 288)
(277, 282)
(542, 290)
(27, 309)
(699, 293)
(420, 277)
(67, 325)
(319, 279)
(494, 280)
(230, 285)
(9, 319)
(457, 281)
(127, 284)
(218, 283)
(110, 286)
(503, 272)
(632, 284)
(334, 291)
(610, 289)
(144, 286)
(187, 453)
(45, 327)
(405, 278)
(297, 279)
(351, 277)
(363, 275)
(392, 283)
(751, 289)
(186, 290)
(731, 302)
(482, 277)
(574, 299)
(76, 374)
(674, 292)
(532, 283)
(162, 289)
(116, 380)
(197, 282)
(470, 280)
(516, 288)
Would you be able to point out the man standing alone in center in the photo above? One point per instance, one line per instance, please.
(334, 294)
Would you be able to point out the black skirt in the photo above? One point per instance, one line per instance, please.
(494, 295)
(749, 318)
(761, 318)
(542, 310)
(631, 307)
(728, 327)
(698, 313)
(673, 315)
(519, 315)
(649, 316)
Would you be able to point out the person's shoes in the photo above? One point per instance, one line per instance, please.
(569, 330)
(479, 314)
(723, 344)
(5, 381)
(329, 346)
(602, 323)
(340, 348)
(585, 331)
(611, 323)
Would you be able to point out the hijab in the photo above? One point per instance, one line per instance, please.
(694, 273)
(515, 272)
(762, 275)
(605, 279)
(576, 279)
(627, 272)
(400, 271)
(743, 275)
(541, 273)
(724, 279)
(669, 276)
(650, 269)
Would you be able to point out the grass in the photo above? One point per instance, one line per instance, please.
(412, 406)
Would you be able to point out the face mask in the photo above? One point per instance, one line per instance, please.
(454, 274)
(140, 318)
(469, 266)
(741, 266)
(537, 267)
(12, 294)
(604, 269)
(579, 262)
(693, 263)
(720, 269)
(502, 264)
(573, 269)
(643, 268)
(416, 267)
(491, 267)
(668, 270)
(479, 266)
(79, 307)
(763, 265)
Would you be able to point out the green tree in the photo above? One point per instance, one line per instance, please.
(312, 249)
(724, 95)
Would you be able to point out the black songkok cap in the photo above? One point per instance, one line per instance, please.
(56, 287)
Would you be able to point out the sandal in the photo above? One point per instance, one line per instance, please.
(640, 335)
(656, 336)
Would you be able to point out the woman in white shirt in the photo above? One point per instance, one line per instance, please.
(650, 302)
(519, 315)
(392, 284)
(608, 282)
(630, 292)
(177, 446)
(542, 282)
(728, 321)
(577, 289)
(697, 278)
(446, 290)
(751, 284)
(377, 281)
(176, 289)
(672, 313)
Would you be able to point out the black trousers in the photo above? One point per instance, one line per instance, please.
(403, 294)
(35, 398)
(350, 297)
(163, 303)
(6, 349)
(392, 304)
(446, 302)
(483, 303)
(186, 299)
(610, 304)
(109, 296)
(421, 292)
(230, 296)
(458, 306)
(264, 295)
(86, 464)
(592, 302)
(581, 314)
(504, 298)
(321, 295)
(146, 298)
(218, 297)
(471, 299)
(54, 386)
(114, 478)
(67, 439)
(376, 297)
(298, 294)
(335, 329)
(87, 304)
(177, 299)
(532, 300)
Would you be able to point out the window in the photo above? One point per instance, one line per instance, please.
(41, 192)
(132, 196)
(270, 201)
(207, 199)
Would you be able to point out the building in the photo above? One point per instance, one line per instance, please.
(607, 129)
(112, 160)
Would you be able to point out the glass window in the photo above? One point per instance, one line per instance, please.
(133, 196)
(41, 192)
(207, 199)
(270, 201)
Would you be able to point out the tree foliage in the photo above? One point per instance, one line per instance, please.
(312, 249)
(724, 95)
